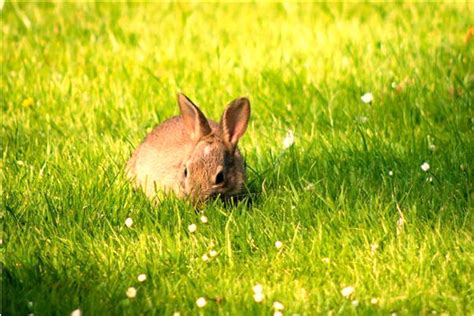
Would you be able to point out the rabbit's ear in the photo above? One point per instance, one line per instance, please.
(195, 122)
(235, 119)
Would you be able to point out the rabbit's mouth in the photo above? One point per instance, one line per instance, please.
(199, 197)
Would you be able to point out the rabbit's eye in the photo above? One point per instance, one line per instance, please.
(220, 178)
(185, 172)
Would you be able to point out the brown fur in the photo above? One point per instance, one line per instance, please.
(201, 146)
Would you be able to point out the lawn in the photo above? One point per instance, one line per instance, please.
(372, 204)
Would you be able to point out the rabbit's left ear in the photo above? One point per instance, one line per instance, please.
(195, 122)
(234, 120)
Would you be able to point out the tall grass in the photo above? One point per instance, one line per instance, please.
(82, 84)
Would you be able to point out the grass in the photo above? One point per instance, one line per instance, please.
(83, 83)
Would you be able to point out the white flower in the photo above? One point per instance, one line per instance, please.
(289, 139)
(355, 303)
(425, 166)
(205, 258)
(129, 222)
(204, 219)
(362, 119)
(258, 297)
(141, 277)
(213, 253)
(326, 260)
(429, 179)
(258, 288)
(390, 173)
(374, 300)
(278, 244)
(176, 314)
(400, 222)
(367, 98)
(347, 291)
(277, 313)
(278, 306)
(373, 248)
(345, 61)
(131, 292)
(192, 228)
(76, 312)
(201, 302)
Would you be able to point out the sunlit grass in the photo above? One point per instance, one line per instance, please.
(336, 178)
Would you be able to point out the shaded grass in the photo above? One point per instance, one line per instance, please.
(101, 75)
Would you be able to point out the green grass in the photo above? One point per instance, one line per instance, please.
(100, 76)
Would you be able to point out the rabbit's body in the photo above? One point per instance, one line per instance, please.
(191, 155)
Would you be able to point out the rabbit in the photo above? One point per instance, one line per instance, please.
(192, 156)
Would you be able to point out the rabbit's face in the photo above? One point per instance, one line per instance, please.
(212, 170)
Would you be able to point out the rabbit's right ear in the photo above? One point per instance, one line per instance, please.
(234, 120)
(195, 122)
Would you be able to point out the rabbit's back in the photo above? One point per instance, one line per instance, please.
(157, 162)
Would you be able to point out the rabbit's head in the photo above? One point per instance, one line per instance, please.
(214, 165)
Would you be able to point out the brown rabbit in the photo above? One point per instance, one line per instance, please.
(191, 155)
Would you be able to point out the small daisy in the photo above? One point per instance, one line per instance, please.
(131, 292)
(278, 313)
(289, 139)
(390, 173)
(192, 228)
(258, 297)
(367, 98)
(278, 306)
(257, 288)
(205, 258)
(278, 244)
(355, 303)
(176, 314)
(204, 219)
(347, 291)
(76, 312)
(400, 222)
(362, 119)
(213, 253)
(373, 248)
(129, 222)
(141, 277)
(374, 300)
(201, 302)
(425, 166)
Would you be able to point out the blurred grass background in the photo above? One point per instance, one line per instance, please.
(82, 83)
